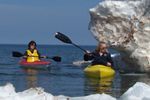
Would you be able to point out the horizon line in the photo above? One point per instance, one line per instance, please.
(48, 44)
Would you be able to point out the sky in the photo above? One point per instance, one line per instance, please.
(25, 20)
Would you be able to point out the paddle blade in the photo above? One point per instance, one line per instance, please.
(62, 37)
(17, 54)
(56, 58)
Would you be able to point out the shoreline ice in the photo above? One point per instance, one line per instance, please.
(140, 91)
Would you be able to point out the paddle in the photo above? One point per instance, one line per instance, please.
(18, 54)
(66, 39)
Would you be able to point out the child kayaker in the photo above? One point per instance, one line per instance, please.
(32, 53)
(100, 55)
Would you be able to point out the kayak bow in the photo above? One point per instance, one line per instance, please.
(36, 64)
(99, 71)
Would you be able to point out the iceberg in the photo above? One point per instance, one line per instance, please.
(7, 92)
(95, 97)
(140, 91)
(125, 25)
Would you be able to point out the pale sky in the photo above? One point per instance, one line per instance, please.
(25, 20)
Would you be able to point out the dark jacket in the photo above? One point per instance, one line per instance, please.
(99, 59)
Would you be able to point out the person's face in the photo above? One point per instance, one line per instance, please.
(32, 46)
(103, 48)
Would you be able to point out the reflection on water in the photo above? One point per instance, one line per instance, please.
(114, 86)
(31, 77)
(103, 85)
(32, 74)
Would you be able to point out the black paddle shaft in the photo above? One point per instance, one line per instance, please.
(79, 47)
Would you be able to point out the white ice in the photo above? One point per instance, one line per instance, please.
(140, 91)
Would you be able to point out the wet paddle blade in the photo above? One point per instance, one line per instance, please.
(55, 58)
(66, 39)
(16, 54)
(62, 37)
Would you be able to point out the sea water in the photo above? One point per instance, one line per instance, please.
(64, 78)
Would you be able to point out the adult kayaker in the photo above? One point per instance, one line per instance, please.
(100, 55)
(32, 54)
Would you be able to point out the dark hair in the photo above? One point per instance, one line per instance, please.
(31, 43)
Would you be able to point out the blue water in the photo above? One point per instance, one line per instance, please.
(62, 78)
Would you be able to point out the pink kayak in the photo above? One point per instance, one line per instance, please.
(35, 64)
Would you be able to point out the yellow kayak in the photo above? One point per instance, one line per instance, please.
(99, 71)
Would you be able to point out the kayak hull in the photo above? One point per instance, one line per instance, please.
(99, 71)
(36, 64)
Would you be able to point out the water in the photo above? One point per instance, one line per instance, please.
(61, 78)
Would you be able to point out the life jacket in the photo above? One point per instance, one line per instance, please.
(34, 56)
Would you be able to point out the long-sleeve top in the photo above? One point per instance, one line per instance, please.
(99, 59)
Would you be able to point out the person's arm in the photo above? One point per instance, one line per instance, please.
(100, 60)
(25, 55)
(110, 59)
(88, 56)
(40, 56)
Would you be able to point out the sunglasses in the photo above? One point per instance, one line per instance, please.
(103, 48)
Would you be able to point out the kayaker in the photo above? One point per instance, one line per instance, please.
(100, 55)
(32, 53)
